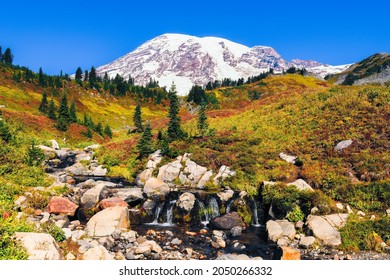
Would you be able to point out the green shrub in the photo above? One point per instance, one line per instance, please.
(282, 198)
(295, 215)
(9, 249)
(52, 229)
(360, 234)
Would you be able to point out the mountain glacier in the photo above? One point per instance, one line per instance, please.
(188, 60)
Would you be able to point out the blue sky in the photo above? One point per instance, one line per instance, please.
(62, 35)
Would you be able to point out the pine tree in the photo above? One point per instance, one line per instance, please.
(137, 118)
(145, 144)
(106, 81)
(51, 112)
(63, 119)
(99, 129)
(72, 112)
(34, 155)
(44, 106)
(202, 120)
(8, 57)
(79, 75)
(41, 78)
(92, 77)
(174, 130)
(86, 76)
(5, 132)
(108, 131)
(63, 110)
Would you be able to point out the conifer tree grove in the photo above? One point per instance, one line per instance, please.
(44, 106)
(174, 128)
(8, 57)
(145, 144)
(137, 118)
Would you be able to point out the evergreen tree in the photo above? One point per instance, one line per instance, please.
(202, 120)
(63, 119)
(174, 129)
(106, 81)
(99, 129)
(92, 77)
(8, 57)
(63, 110)
(41, 78)
(51, 112)
(79, 75)
(86, 76)
(72, 112)
(5, 132)
(145, 144)
(44, 106)
(108, 131)
(88, 133)
(34, 155)
(137, 118)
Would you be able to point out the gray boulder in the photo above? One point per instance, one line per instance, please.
(325, 228)
(39, 246)
(288, 158)
(343, 145)
(186, 201)
(92, 196)
(301, 185)
(155, 187)
(107, 221)
(170, 171)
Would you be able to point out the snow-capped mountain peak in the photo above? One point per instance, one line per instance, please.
(187, 60)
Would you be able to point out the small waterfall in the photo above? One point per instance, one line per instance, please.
(255, 215)
(157, 212)
(169, 213)
(229, 205)
(213, 208)
(203, 213)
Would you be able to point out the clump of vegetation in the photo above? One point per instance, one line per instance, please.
(52, 229)
(360, 234)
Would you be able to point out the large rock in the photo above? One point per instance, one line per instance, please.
(91, 148)
(288, 158)
(170, 171)
(112, 202)
(274, 230)
(224, 173)
(48, 152)
(155, 187)
(343, 145)
(39, 246)
(107, 221)
(97, 253)
(227, 221)
(154, 160)
(54, 144)
(301, 185)
(193, 171)
(287, 228)
(186, 201)
(325, 228)
(130, 194)
(307, 241)
(144, 176)
(92, 196)
(205, 178)
(98, 171)
(149, 206)
(226, 195)
(61, 205)
(76, 169)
